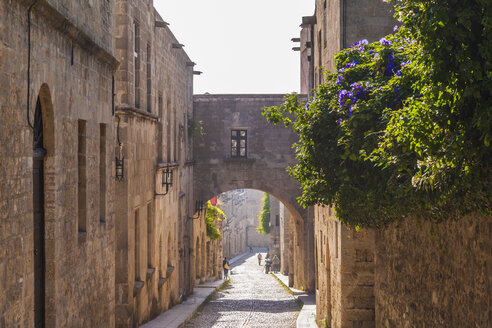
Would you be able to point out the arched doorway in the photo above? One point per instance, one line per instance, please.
(39, 153)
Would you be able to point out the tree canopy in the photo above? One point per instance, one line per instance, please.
(403, 127)
(264, 216)
(213, 215)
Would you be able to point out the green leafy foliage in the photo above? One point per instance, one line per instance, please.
(404, 125)
(264, 216)
(213, 215)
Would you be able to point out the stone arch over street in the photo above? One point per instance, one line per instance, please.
(239, 149)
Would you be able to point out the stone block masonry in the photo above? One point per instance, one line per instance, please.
(45, 224)
(434, 275)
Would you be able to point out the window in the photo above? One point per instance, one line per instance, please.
(82, 177)
(149, 80)
(137, 245)
(136, 54)
(150, 236)
(239, 143)
(102, 173)
(325, 18)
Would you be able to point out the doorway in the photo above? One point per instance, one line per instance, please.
(38, 219)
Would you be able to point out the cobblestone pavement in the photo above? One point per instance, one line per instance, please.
(253, 299)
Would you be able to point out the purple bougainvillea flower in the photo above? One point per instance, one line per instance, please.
(405, 63)
(339, 121)
(364, 41)
(341, 70)
(342, 95)
(361, 49)
(395, 28)
(371, 52)
(339, 79)
(351, 64)
(398, 73)
(391, 57)
(307, 105)
(350, 110)
(390, 69)
(358, 90)
(354, 99)
(385, 42)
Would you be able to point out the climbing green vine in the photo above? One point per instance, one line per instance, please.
(402, 127)
(213, 215)
(264, 216)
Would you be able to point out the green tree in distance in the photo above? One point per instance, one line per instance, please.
(264, 216)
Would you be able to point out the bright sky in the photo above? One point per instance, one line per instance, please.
(241, 46)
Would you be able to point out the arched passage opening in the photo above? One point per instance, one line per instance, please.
(286, 239)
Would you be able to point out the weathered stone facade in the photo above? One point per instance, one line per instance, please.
(410, 274)
(434, 275)
(156, 254)
(207, 254)
(345, 267)
(56, 205)
(334, 26)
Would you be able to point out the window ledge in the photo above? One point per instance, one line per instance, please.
(137, 287)
(82, 237)
(169, 271)
(150, 273)
(161, 281)
(239, 160)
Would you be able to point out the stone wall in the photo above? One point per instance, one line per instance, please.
(207, 254)
(70, 69)
(153, 96)
(341, 23)
(284, 240)
(434, 275)
(345, 267)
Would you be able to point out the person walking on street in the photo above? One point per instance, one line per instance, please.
(276, 263)
(226, 267)
(259, 258)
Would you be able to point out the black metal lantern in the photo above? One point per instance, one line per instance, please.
(120, 159)
(120, 168)
(167, 180)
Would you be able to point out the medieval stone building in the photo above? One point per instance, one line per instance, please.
(159, 245)
(57, 220)
(408, 273)
(97, 215)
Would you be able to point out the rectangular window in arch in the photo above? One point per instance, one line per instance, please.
(239, 143)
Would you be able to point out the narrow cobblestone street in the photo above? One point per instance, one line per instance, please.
(253, 299)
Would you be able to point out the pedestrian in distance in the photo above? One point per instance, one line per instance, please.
(276, 263)
(226, 267)
(259, 258)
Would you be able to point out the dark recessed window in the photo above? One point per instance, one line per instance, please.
(239, 142)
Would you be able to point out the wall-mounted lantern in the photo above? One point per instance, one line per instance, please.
(167, 180)
(120, 159)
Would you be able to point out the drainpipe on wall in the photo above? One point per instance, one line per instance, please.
(343, 25)
(29, 62)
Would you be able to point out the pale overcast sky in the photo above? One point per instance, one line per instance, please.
(241, 46)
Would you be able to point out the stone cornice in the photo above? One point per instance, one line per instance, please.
(65, 26)
(133, 111)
